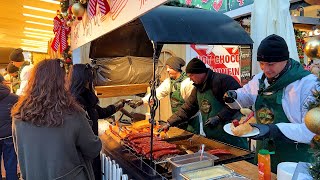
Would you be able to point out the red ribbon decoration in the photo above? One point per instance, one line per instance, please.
(103, 6)
(61, 31)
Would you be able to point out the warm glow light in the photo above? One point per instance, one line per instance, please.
(43, 24)
(51, 1)
(36, 45)
(26, 48)
(38, 30)
(38, 37)
(39, 17)
(42, 43)
(40, 9)
(39, 34)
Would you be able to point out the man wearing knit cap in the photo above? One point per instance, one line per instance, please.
(208, 98)
(17, 59)
(178, 86)
(280, 97)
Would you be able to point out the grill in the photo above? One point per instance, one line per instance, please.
(140, 167)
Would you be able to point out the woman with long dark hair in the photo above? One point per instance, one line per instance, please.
(52, 136)
(81, 87)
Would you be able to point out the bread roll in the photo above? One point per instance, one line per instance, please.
(141, 124)
(244, 127)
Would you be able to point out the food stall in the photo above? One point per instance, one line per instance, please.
(137, 149)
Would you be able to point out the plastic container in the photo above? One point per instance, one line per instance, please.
(264, 164)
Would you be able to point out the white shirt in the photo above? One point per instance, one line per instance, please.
(294, 103)
(24, 79)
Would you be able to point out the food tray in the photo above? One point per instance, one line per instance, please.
(211, 173)
(190, 162)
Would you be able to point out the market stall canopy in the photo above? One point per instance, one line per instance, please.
(170, 25)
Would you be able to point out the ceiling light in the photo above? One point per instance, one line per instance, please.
(40, 9)
(39, 34)
(36, 45)
(25, 48)
(51, 1)
(43, 24)
(34, 42)
(38, 30)
(38, 37)
(39, 17)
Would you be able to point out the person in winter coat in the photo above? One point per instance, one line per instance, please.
(280, 96)
(52, 136)
(81, 87)
(179, 87)
(207, 97)
(7, 100)
(17, 59)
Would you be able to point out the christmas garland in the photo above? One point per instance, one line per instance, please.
(300, 35)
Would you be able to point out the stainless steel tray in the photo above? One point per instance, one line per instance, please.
(212, 173)
(190, 162)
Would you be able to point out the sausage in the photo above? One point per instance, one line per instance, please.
(218, 151)
(158, 154)
(158, 147)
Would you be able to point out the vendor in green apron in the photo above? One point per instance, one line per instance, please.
(179, 87)
(208, 98)
(280, 96)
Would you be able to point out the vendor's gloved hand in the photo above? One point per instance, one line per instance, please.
(165, 127)
(230, 96)
(270, 131)
(135, 103)
(213, 121)
(119, 104)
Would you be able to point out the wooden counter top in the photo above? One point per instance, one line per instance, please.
(247, 169)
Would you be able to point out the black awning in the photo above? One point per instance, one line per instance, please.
(169, 25)
(176, 25)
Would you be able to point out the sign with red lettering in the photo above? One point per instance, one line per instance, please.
(221, 58)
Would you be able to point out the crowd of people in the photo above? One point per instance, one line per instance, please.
(49, 120)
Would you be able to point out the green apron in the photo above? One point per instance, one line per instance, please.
(269, 110)
(176, 100)
(210, 107)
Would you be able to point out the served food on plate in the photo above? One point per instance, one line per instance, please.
(242, 126)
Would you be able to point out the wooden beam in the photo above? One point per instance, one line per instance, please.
(121, 90)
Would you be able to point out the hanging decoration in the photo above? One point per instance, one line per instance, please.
(312, 48)
(61, 31)
(300, 35)
(92, 7)
(312, 122)
(78, 10)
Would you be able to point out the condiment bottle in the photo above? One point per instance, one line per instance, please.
(264, 164)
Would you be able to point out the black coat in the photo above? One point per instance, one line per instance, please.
(7, 100)
(89, 101)
(219, 84)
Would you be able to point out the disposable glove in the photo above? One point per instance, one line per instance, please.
(230, 96)
(135, 103)
(270, 131)
(165, 127)
(119, 104)
(213, 121)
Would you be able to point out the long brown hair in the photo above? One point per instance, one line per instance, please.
(46, 98)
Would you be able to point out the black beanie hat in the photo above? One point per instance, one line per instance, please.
(16, 55)
(273, 49)
(12, 68)
(175, 63)
(196, 66)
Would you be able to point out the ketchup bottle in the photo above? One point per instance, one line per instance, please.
(264, 164)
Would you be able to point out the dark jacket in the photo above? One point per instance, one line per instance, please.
(56, 152)
(219, 84)
(89, 101)
(7, 100)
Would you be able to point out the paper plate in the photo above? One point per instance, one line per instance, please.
(227, 129)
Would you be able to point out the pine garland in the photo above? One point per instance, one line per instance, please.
(300, 44)
(314, 169)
